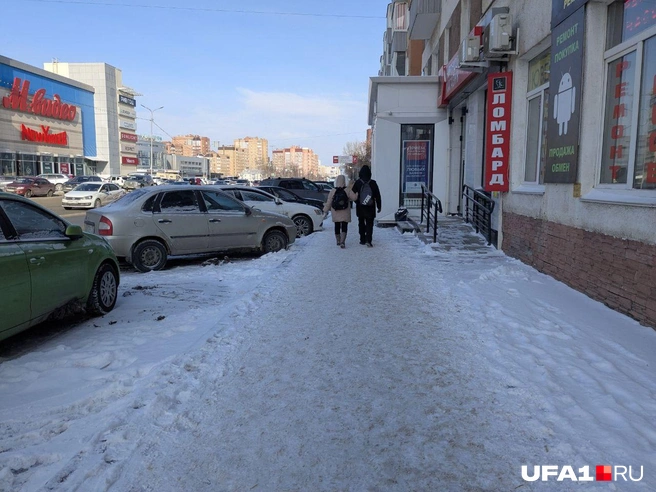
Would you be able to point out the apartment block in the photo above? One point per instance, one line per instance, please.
(543, 113)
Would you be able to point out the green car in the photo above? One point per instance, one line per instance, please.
(47, 264)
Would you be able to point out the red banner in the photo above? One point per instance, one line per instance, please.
(497, 130)
(129, 137)
(133, 161)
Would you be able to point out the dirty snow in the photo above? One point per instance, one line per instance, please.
(402, 367)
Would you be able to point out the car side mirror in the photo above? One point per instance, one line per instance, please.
(74, 232)
(248, 211)
(278, 201)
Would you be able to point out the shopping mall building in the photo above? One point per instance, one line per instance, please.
(46, 122)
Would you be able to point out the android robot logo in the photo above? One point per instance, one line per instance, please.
(564, 103)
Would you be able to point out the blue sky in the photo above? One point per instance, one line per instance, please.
(219, 68)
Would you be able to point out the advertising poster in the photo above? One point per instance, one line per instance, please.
(416, 159)
(497, 131)
(565, 99)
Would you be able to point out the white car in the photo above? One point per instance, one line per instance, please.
(306, 217)
(117, 180)
(55, 178)
(92, 194)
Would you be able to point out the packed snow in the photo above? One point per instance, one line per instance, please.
(407, 366)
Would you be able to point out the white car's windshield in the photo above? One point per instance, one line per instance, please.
(88, 187)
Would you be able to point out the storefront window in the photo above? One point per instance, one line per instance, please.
(629, 18)
(27, 165)
(416, 162)
(617, 122)
(629, 139)
(538, 112)
(47, 164)
(645, 166)
(7, 164)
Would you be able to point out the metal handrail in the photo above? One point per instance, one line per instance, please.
(430, 207)
(478, 210)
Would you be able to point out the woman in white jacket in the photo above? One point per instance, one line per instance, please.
(340, 217)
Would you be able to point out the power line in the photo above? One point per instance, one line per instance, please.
(207, 9)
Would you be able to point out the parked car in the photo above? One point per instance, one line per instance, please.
(301, 186)
(150, 224)
(325, 185)
(31, 186)
(47, 264)
(117, 180)
(92, 195)
(290, 196)
(306, 217)
(57, 179)
(220, 182)
(138, 181)
(5, 180)
(76, 180)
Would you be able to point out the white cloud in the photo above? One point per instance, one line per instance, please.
(323, 123)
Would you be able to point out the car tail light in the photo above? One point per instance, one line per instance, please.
(105, 227)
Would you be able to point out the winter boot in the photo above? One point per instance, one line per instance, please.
(343, 238)
(339, 240)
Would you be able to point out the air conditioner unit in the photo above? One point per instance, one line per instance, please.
(500, 35)
(470, 50)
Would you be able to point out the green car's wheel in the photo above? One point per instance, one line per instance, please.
(149, 255)
(104, 291)
(274, 241)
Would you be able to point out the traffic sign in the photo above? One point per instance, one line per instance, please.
(344, 159)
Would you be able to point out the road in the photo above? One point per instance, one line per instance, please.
(54, 204)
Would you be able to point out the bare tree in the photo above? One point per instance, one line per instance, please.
(361, 151)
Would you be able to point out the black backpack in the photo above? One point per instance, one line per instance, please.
(366, 195)
(340, 199)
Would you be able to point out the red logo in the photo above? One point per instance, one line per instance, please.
(604, 473)
(130, 160)
(129, 137)
(39, 105)
(44, 136)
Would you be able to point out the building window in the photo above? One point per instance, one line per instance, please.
(629, 132)
(538, 112)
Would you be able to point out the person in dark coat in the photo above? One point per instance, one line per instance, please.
(366, 212)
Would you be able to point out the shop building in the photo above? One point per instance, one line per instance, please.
(115, 115)
(46, 122)
(549, 109)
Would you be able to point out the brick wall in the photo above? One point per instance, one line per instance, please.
(618, 272)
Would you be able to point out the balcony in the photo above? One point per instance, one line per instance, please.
(424, 16)
(399, 41)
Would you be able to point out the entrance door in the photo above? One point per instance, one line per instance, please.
(416, 163)
(463, 135)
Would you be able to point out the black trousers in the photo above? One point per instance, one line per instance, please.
(366, 228)
(341, 225)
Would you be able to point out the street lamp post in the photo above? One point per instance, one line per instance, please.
(151, 135)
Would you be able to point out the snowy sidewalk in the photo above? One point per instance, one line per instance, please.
(399, 367)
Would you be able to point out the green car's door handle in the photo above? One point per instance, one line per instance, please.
(164, 221)
(215, 220)
(37, 260)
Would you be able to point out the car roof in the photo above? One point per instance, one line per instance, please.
(246, 188)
